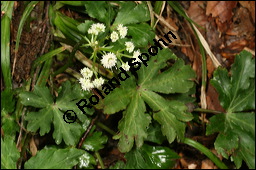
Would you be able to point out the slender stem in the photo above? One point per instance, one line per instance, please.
(86, 132)
(206, 111)
(104, 127)
(206, 151)
(100, 160)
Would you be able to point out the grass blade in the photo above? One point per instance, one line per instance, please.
(23, 19)
(5, 43)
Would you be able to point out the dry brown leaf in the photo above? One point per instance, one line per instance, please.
(212, 99)
(32, 147)
(250, 5)
(242, 24)
(221, 9)
(196, 12)
(208, 164)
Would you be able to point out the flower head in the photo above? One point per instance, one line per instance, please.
(122, 30)
(114, 36)
(108, 60)
(84, 160)
(96, 28)
(129, 46)
(136, 55)
(86, 84)
(98, 82)
(125, 66)
(86, 73)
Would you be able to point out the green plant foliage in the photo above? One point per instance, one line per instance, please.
(9, 153)
(170, 114)
(52, 158)
(52, 112)
(130, 13)
(141, 34)
(95, 142)
(154, 133)
(149, 157)
(236, 93)
(100, 10)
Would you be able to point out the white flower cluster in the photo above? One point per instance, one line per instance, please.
(129, 46)
(84, 161)
(136, 55)
(109, 60)
(122, 32)
(86, 82)
(95, 29)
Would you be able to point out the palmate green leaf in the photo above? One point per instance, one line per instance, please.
(236, 93)
(150, 157)
(9, 153)
(133, 125)
(121, 95)
(130, 13)
(141, 34)
(52, 112)
(40, 98)
(52, 158)
(8, 122)
(95, 142)
(100, 10)
(154, 133)
(170, 114)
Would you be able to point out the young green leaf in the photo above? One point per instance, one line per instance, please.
(130, 13)
(170, 114)
(95, 142)
(52, 112)
(9, 153)
(150, 157)
(141, 34)
(100, 10)
(54, 159)
(236, 93)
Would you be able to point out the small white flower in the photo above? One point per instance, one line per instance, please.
(122, 30)
(108, 60)
(125, 66)
(96, 28)
(98, 82)
(136, 55)
(129, 46)
(86, 73)
(86, 84)
(84, 161)
(114, 36)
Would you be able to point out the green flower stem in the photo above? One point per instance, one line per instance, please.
(100, 160)
(104, 127)
(206, 151)
(128, 56)
(206, 111)
(106, 49)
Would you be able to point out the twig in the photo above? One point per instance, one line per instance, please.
(21, 125)
(166, 23)
(87, 132)
(162, 9)
(151, 13)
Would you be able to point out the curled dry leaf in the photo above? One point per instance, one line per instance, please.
(221, 9)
